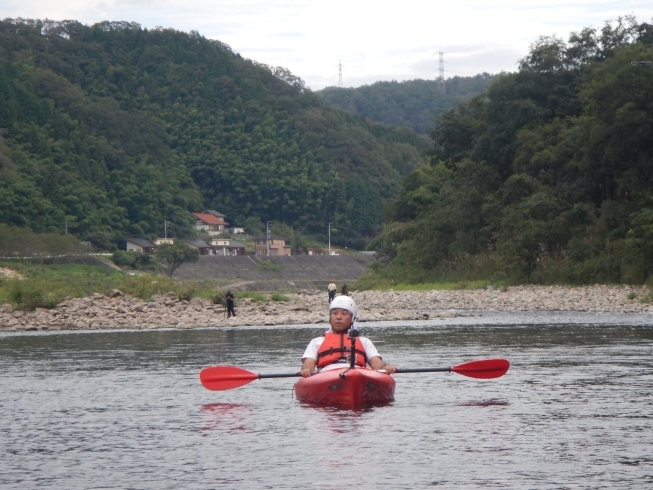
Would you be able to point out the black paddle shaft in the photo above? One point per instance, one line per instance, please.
(424, 370)
(285, 375)
(398, 371)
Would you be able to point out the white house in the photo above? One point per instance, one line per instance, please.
(140, 245)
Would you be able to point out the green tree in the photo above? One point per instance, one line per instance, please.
(547, 176)
(175, 255)
(412, 103)
(253, 226)
(115, 128)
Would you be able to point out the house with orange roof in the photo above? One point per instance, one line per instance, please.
(211, 221)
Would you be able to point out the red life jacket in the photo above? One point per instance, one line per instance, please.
(335, 348)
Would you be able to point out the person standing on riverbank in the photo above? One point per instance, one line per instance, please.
(230, 304)
(331, 350)
(331, 289)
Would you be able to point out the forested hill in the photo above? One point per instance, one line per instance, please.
(113, 128)
(547, 177)
(414, 103)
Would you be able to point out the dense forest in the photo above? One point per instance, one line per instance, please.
(546, 177)
(110, 129)
(414, 103)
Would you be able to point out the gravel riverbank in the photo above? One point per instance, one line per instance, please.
(116, 311)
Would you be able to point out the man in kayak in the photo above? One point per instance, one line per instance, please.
(331, 350)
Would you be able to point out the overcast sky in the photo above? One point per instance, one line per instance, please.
(375, 40)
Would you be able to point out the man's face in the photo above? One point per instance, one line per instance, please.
(340, 320)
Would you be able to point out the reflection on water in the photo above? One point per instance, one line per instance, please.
(226, 416)
(492, 402)
(126, 409)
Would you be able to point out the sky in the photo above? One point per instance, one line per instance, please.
(373, 40)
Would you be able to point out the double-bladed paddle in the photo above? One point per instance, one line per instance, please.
(220, 378)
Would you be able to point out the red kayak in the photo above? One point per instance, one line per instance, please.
(348, 387)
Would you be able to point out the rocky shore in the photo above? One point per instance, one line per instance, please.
(117, 311)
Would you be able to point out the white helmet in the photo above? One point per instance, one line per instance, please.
(346, 303)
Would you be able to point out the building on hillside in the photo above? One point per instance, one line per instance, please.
(215, 213)
(219, 242)
(210, 221)
(220, 246)
(203, 247)
(276, 245)
(224, 247)
(237, 231)
(160, 241)
(236, 248)
(140, 245)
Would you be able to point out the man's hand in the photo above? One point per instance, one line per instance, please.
(308, 366)
(378, 364)
(389, 369)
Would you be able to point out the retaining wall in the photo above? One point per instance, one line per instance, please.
(277, 273)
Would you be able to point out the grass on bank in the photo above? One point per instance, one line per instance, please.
(381, 284)
(488, 270)
(45, 286)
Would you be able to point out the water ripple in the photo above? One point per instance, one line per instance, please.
(126, 410)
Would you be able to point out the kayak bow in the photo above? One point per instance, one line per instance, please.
(346, 386)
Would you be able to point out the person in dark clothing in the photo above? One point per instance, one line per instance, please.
(344, 291)
(230, 304)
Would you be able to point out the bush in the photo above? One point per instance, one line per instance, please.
(146, 285)
(123, 259)
(279, 297)
(28, 294)
(186, 292)
(146, 261)
(219, 298)
(267, 265)
(254, 296)
(135, 260)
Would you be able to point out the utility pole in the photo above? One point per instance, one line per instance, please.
(165, 229)
(329, 239)
(340, 73)
(66, 227)
(267, 238)
(442, 71)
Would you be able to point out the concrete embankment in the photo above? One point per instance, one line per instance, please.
(115, 311)
(295, 272)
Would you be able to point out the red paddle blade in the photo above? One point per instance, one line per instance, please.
(486, 369)
(220, 378)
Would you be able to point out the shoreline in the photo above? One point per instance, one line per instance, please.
(117, 311)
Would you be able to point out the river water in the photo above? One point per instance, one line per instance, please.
(98, 410)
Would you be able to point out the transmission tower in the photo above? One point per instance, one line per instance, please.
(442, 72)
(340, 73)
